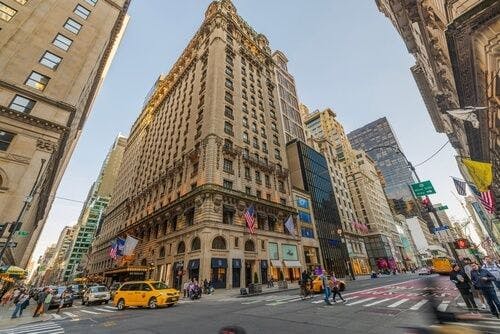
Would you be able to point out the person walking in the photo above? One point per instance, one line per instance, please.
(464, 286)
(185, 288)
(335, 286)
(19, 302)
(476, 292)
(483, 279)
(39, 306)
(494, 269)
(48, 300)
(64, 295)
(326, 288)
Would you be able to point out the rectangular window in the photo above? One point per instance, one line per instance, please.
(22, 104)
(91, 2)
(248, 190)
(281, 186)
(22, 2)
(6, 12)
(228, 112)
(228, 128)
(259, 194)
(82, 12)
(73, 26)
(5, 140)
(50, 60)
(227, 184)
(228, 166)
(247, 173)
(277, 154)
(62, 42)
(37, 80)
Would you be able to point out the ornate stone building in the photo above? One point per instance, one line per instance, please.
(456, 45)
(54, 57)
(207, 145)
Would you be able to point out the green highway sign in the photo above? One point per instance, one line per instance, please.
(423, 188)
(23, 233)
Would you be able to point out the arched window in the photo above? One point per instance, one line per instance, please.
(181, 248)
(195, 244)
(219, 243)
(249, 246)
(143, 262)
(162, 251)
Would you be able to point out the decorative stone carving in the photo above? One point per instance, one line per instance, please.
(217, 201)
(198, 201)
(15, 158)
(46, 145)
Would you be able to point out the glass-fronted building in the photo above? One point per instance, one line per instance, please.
(309, 172)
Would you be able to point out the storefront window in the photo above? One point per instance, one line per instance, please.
(273, 251)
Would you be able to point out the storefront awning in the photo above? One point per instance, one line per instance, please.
(236, 263)
(219, 262)
(292, 264)
(128, 269)
(194, 264)
(276, 263)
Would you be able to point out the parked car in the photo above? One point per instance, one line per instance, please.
(96, 294)
(78, 290)
(318, 284)
(424, 271)
(150, 294)
(57, 292)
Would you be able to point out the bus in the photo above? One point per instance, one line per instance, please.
(442, 265)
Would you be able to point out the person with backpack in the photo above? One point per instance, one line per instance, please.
(40, 300)
(334, 285)
(19, 301)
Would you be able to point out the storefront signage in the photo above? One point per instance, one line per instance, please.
(289, 252)
(273, 251)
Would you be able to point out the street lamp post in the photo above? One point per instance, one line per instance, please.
(346, 254)
(432, 209)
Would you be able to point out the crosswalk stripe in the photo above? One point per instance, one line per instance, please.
(104, 310)
(399, 302)
(418, 305)
(443, 306)
(360, 301)
(48, 328)
(89, 312)
(378, 302)
(56, 316)
(318, 301)
(110, 307)
(69, 314)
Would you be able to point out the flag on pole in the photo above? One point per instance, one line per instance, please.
(466, 114)
(250, 218)
(130, 243)
(460, 186)
(290, 226)
(120, 246)
(480, 172)
(113, 250)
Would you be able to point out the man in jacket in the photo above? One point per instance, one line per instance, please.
(41, 298)
(493, 268)
(464, 286)
(483, 280)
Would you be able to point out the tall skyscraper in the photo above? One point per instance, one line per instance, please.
(288, 100)
(207, 148)
(54, 57)
(94, 208)
(379, 141)
(62, 248)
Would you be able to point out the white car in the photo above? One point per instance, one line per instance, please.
(96, 294)
(424, 271)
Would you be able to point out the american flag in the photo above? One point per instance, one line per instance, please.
(250, 218)
(487, 201)
(460, 186)
(113, 251)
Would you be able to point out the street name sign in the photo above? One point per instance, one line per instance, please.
(23, 234)
(442, 207)
(423, 188)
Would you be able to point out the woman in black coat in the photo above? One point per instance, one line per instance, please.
(464, 286)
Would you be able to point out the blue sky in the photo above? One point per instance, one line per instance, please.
(344, 54)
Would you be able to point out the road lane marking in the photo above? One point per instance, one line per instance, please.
(252, 302)
(104, 310)
(398, 302)
(378, 302)
(89, 312)
(110, 307)
(418, 305)
(360, 301)
(69, 314)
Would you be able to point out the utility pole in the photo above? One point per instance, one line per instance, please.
(27, 201)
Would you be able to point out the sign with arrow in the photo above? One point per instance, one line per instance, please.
(423, 188)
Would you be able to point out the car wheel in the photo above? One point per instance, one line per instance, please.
(152, 303)
(121, 304)
(107, 301)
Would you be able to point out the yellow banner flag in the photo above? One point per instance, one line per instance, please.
(481, 173)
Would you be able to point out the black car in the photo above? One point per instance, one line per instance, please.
(56, 297)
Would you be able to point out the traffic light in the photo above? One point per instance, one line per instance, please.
(462, 244)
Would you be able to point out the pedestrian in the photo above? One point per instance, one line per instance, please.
(48, 300)
(334, 285)
(464, 286)
(476, 292)
(326, 288)
(19, 302)
(40, 299)
(185, 288)
(64, 295)
(493, 268)
(483, 279)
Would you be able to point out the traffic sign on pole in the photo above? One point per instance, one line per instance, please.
(423, 188)
(23, 233)
(442, 207)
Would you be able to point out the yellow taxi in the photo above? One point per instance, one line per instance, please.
(318, 284)
(150, 294)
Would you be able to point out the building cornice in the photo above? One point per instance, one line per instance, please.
(32, 120)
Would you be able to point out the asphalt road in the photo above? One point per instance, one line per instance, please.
(385, 305)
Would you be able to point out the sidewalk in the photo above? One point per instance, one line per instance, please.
(26, 318)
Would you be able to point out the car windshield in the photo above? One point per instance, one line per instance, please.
(99, 289)
(61, 289)
(159, 285)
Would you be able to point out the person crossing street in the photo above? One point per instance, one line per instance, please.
(483, 279)
(326, 287)
(464, 286)
(335, 286)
